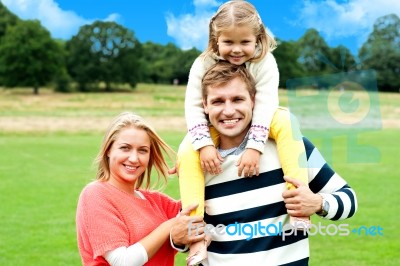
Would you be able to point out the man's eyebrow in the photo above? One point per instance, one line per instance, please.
(215, 97)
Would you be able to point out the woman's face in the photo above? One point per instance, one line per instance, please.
(128, 158)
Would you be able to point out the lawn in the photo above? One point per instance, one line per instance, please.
(43, 169)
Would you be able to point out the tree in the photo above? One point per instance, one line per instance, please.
(184, 60)
(286, 55)
(103, 52)
(6, 19)
(163, 64)
(314, 53)
(381, 52)
(342, 59)
(28, 56)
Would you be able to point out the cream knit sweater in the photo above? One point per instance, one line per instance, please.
(266, 75)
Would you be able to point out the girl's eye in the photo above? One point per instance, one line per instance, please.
(124, 148)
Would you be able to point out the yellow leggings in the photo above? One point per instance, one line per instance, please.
(284, 130)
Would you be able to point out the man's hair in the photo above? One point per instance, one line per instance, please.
(222, 73)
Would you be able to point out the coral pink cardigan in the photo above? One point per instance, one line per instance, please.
(108, 218)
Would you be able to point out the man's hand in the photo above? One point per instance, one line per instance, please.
(211, 160)
(187, 224)
(249, 163)
(301, 202)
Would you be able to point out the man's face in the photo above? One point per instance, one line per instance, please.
(230, 110)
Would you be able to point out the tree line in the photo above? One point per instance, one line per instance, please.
(106, 55)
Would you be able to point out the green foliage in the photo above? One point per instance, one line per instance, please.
(63, 82)
(107, 55)
(103, 52)
(286, 55)
(381, 52)
(7, 19)
(162, 64)
(314, 52)
(28, 56)
(342, 59)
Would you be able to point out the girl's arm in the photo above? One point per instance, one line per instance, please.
(194, 113)
(266, 74)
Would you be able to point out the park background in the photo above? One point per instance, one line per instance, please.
(49, 138)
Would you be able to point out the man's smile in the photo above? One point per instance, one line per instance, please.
(230, 121)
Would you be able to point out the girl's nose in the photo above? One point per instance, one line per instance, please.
(236, 49)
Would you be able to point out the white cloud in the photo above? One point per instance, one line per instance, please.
(61, 23)
(191, 30)
(349, 18)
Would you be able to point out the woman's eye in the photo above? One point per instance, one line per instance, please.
(144, 151)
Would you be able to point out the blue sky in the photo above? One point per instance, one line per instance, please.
(184, 22)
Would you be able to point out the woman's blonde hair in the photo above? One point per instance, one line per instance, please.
(239, 13)
(157, 149)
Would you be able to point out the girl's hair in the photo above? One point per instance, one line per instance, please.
(239, 13)
(157, 147)
(223, 72)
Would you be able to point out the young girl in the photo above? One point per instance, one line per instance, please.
(237, 35)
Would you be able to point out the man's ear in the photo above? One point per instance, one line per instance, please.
(205, 106)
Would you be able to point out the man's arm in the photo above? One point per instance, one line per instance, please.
(328, 194)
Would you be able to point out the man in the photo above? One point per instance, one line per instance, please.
(249, 216)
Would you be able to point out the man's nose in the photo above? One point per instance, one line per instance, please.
(229, 109)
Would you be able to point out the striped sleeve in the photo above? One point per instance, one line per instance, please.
(323, 180)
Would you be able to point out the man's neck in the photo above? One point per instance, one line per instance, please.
(227, 142)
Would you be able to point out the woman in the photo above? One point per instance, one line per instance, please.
(119, 220)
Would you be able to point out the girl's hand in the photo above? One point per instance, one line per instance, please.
(249, 163)
(211, 160)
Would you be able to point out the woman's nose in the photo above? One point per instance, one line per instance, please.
(133, 156)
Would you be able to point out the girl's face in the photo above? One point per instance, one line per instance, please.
(129, 157)
(237, 44)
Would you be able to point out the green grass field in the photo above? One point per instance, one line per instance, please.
(42, 171)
